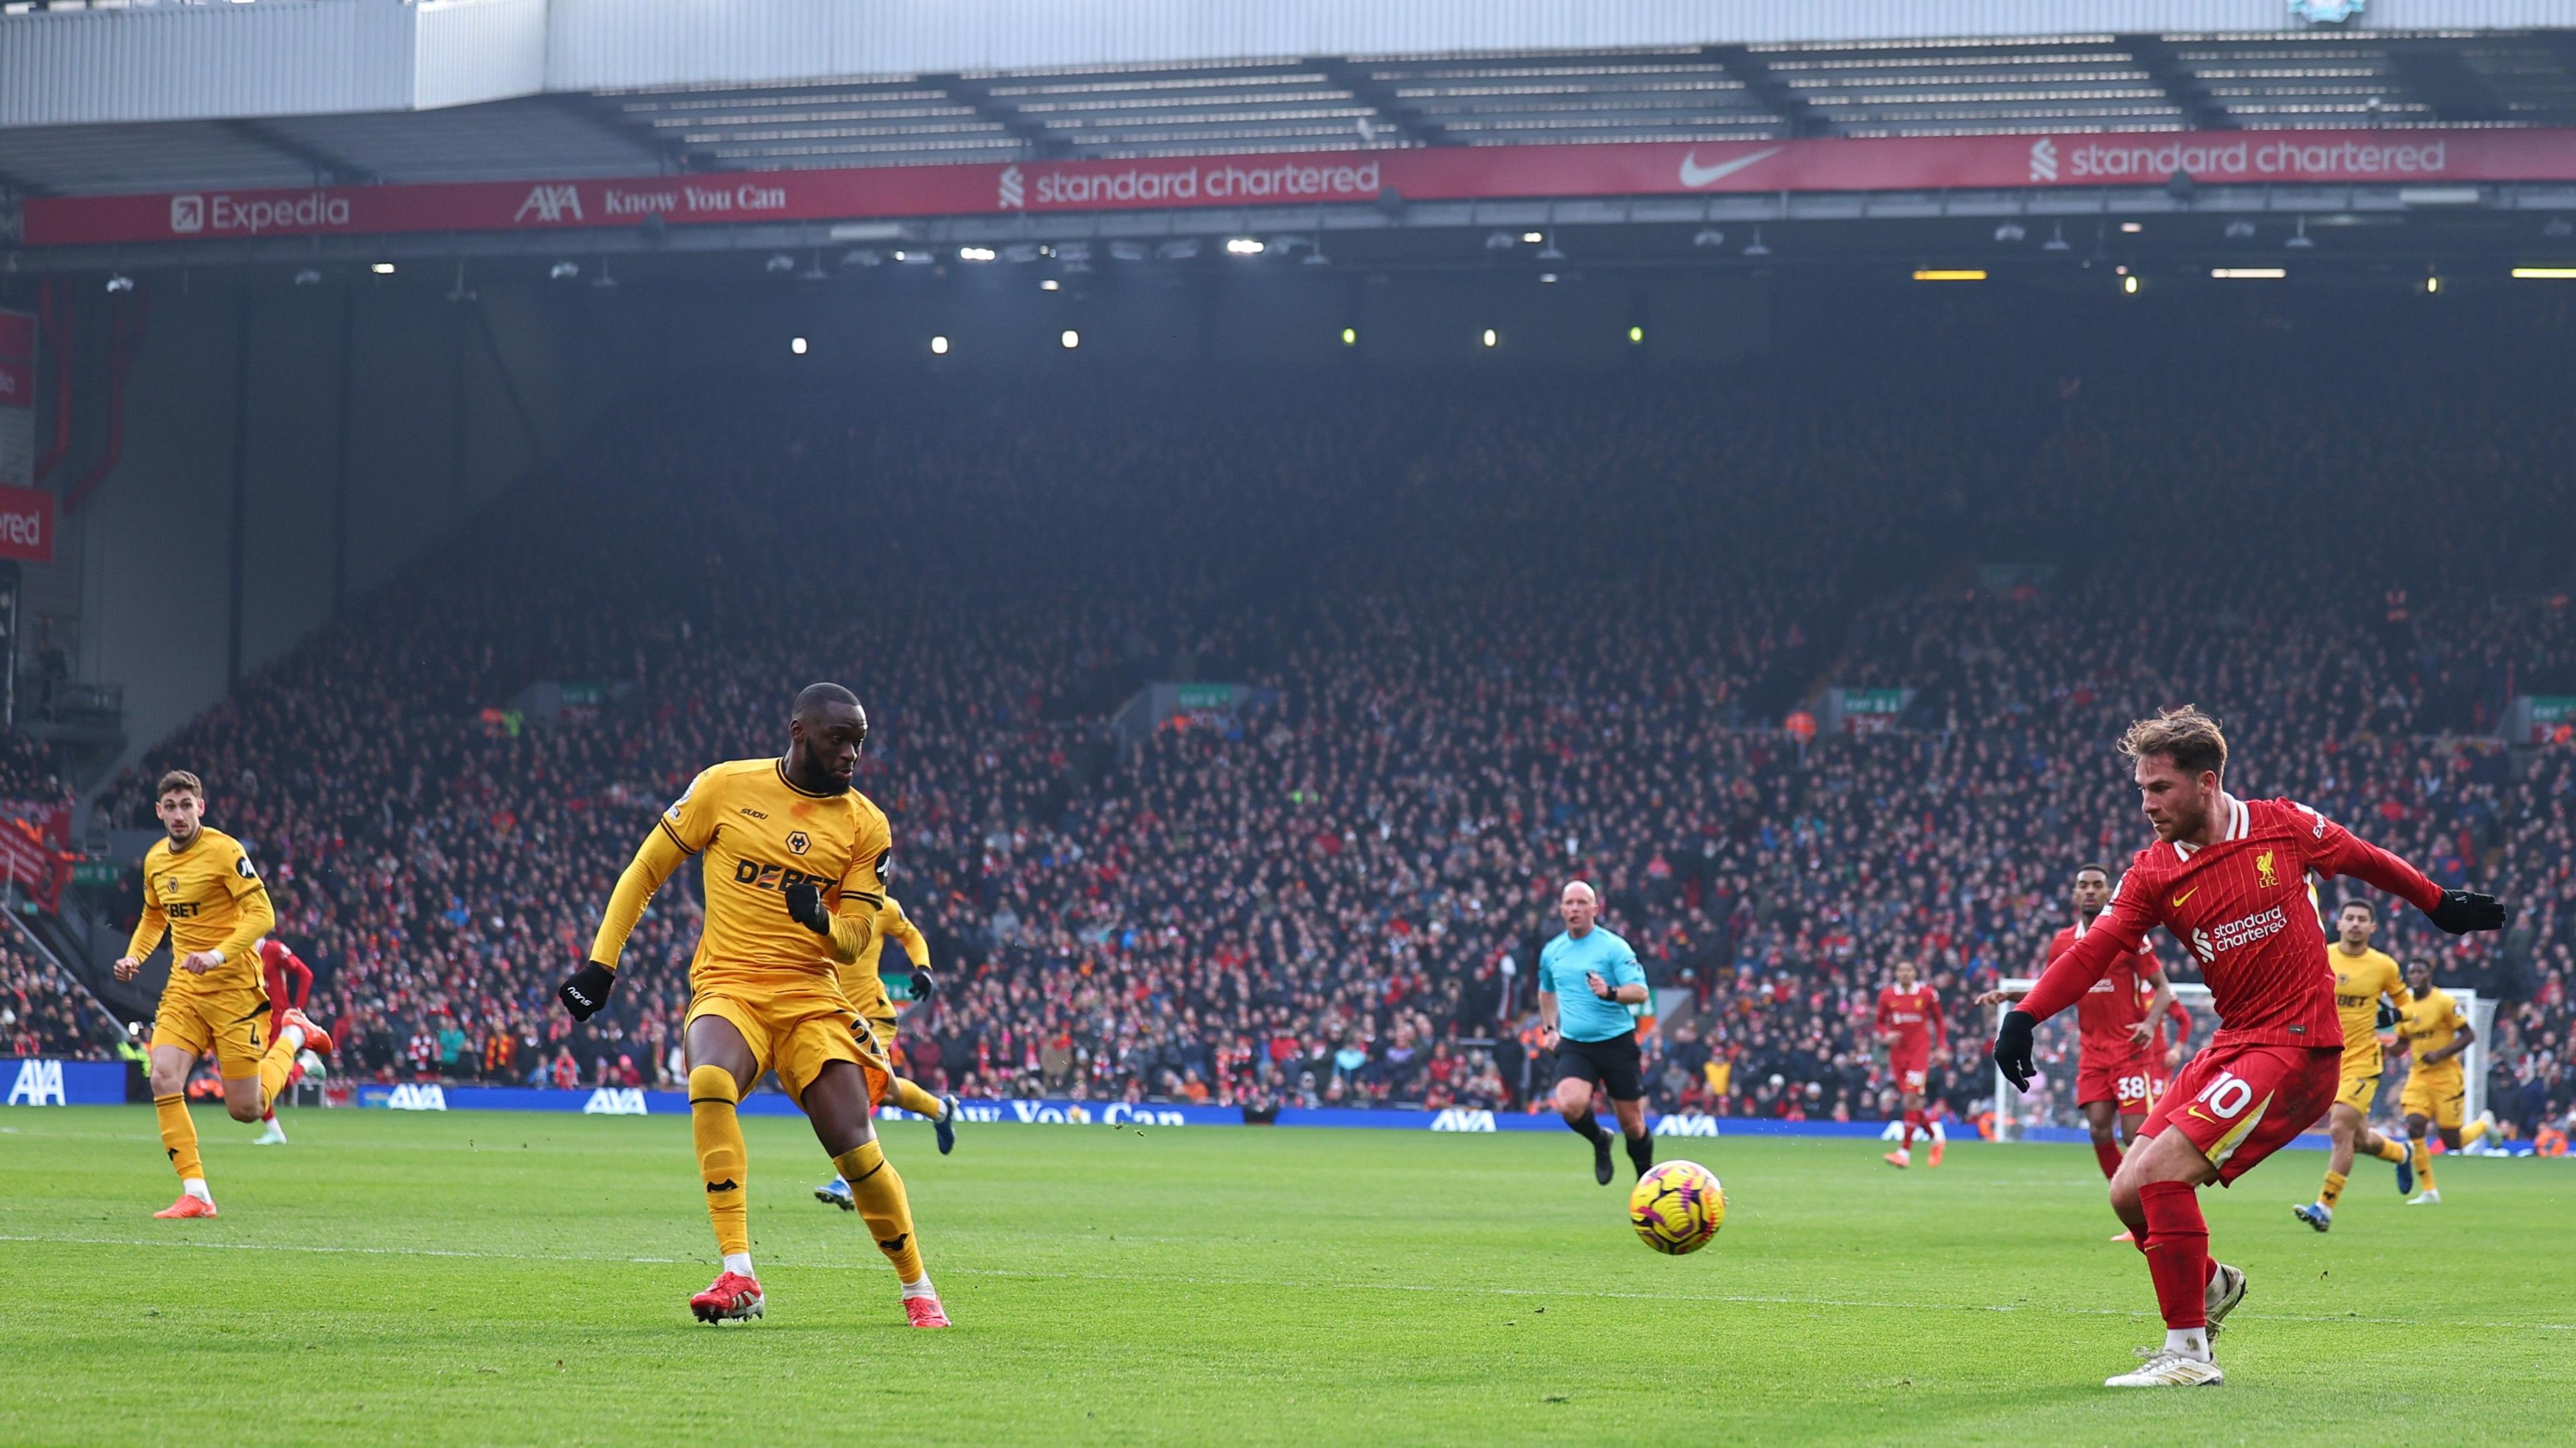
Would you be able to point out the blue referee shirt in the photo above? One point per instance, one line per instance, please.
(1581, 1015)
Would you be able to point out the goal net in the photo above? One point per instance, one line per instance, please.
(2051, 1100)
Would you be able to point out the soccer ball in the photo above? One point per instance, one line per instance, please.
(1677, 1207)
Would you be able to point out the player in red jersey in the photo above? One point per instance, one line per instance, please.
(1909, 1020)
(2228, 878)
(290, 985)
(2115, 1021)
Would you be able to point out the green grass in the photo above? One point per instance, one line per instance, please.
(499, 1278)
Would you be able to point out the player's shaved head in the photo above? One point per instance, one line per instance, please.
(1579, 889)
(1577, 906)
(814, 700)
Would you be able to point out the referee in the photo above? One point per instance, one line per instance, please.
(1587, 979)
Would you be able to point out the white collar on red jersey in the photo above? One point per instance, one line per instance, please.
(2240, 823)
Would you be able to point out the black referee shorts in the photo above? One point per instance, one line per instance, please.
(1614, 1065)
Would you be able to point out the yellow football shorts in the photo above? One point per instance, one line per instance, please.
(2358, 1092)
(796, 1030)
(2441, 1096)
(231, 1025)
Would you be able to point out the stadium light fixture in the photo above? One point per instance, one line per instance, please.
(564, 271)
(1071, 339)
(2010, 231)
(1050, 285)
(2247, 273)
(1547, 278)
(382, 268)
(1350, 336)
(1636, 334)
(2299, 240)
(2129, 286)
(1498, 241)
(1550, 252)
(2432, 284)
(1245, 246)
(782, 262)
(976, 253)
(2132, 228)
(1492, 340)
(2056, 239)
(1708, 236)
(308, 277)
(916, 257)
(1533, 237)
(120, 283)
(796, 345)
(2240, 230)
(1757, 248)
(814, 272)
(938, 346)
(2545, 273)
(1950, 274)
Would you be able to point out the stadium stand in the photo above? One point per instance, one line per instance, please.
(1464, 685)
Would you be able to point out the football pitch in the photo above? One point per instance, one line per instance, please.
(480, 1278)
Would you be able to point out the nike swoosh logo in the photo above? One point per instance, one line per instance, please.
(1694, 175)
(2195, 1111)
(2185, 895)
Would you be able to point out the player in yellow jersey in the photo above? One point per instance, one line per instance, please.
(2362, 977)
(200, 888)
(794, 876)
(865, 987)
(2432, 1027)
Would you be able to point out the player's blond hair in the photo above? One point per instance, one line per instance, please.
(2188, 737)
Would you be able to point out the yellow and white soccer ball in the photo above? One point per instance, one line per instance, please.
(1677, 1207)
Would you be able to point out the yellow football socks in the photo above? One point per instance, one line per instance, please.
(878, 1188)
(274, 1067)
(2474, 1131)
(721, 1158)
(179, 1136)
(2332, 1189)
(2389, 1149)
(2423, 1167)
(913, 1099)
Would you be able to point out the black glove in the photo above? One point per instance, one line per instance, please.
(2387, 1015)
(924, 984)
(2462, 911)
(805, 907)
(2013, 1048)
(587, 990)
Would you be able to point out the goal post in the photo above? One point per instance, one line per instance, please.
(2050, 1106)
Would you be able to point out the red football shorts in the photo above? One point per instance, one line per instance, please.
(1910, 1068)
(2115, 1071)
(2239, 1104)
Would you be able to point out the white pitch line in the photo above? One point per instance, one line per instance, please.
(1747, 1299)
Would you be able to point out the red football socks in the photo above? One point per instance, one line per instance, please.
(1913, 1124)
(2177, 1252)
(2107, 1153)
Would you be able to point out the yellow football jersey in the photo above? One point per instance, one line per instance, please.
(757, 834)
(205, 896)
(2360, 980)
(2431, 1022)
(859, 978)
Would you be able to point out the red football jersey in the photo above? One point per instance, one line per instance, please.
(2117, 1002)
(2241, 906)
(1915, 1018)
(289, 980)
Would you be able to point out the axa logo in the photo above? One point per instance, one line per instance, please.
(40, 1083)
(2043, 159)
(550, 203)
(616, 1101)
(1013, 194)
(187, 214)
(1458, 1119)
(1686, 1123)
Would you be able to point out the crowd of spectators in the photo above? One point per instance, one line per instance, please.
(1495, 637)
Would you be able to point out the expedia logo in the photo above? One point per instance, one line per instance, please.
(760, 875)
(1013, 196)
(187, 214)
(2043, 159)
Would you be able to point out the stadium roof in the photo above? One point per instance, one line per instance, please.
(1737, 91)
